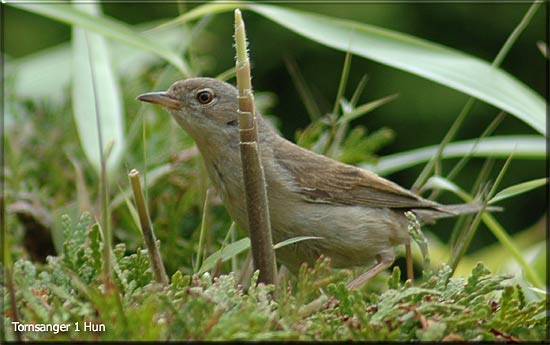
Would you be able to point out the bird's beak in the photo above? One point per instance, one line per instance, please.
(161, 98)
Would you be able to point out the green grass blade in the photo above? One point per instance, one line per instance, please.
(105, 26)
(294, 240)
(91, 48)
(518, 189)
(441, 183)
(202, 234)
(496, 229)
(343, 82)
(201, 11)
(225, 254)
(523, 146)
(44, 74)
(365, 108)
(435, 62)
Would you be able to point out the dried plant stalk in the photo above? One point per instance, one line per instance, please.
(147, 229)
(257, 207)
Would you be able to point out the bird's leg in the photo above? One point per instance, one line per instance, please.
(383, 262)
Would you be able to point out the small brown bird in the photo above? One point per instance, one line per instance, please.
(359, 215)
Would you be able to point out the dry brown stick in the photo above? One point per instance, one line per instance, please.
(147, 229)
(253, 175)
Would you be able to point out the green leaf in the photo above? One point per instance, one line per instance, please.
(225, 254)
(105, 26)
(44, 74)
(438, 182)
(435, 62)
(201, 11)
(523, 146)
(518, 189)
(95, 85)
(294, 240)
(364, 109)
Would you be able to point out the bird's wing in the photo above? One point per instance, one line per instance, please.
(324, 180)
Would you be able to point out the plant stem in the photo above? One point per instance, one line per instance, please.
(253, 174)
(147, 229)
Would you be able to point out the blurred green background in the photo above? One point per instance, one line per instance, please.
(419, 117)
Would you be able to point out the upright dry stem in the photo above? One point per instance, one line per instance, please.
(147, 229)
(253, 175)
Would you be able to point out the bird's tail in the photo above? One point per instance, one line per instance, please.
(444, 211)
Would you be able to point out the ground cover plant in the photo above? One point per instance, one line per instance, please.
(70, 213)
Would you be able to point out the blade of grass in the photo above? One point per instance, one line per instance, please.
(516, 32)
(228, 252)
(343, 81)
(527, 147)
(451, 133)
(337, 130)
(202, 235)
(303, 89)
(82, 193)
(365, 108)
(240, 246)
(198, 12)
(228, 74)
(518, 189)
(296, 240)
(435, 161)
(359, 90)
(97, 107)
(486, 133)
(435, 62)
(462, 223)
(502, 236)
(105, 26)
(44, 74)
(104, 182)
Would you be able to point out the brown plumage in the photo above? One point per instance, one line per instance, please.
(357, 214)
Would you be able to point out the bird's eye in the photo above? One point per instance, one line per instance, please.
(205, 96)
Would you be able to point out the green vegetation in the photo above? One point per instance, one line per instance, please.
(62, 200)
(316, 306)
